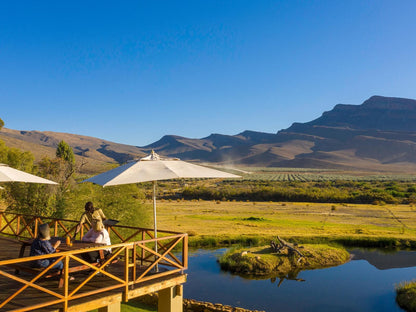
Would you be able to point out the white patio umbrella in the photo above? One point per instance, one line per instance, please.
(9, 174)
(153, 168)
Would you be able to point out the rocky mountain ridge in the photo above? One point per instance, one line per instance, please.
(379, 134)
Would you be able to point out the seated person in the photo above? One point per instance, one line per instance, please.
(99, 235)
(42, 246)
(91, 213)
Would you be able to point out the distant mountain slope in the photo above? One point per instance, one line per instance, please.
(379, 134)
(96, 153)
(377, 113)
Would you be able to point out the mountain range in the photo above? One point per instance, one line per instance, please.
(378, 135)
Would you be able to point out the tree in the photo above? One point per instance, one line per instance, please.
(26, 198)
(65, 152)
(63, 166)
(1, 123)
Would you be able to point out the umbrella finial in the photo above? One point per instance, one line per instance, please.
(152, 156)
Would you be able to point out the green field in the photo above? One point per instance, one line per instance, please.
(257, 222)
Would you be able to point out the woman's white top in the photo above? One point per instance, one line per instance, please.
(101, 237)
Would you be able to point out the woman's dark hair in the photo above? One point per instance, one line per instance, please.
(89, 207)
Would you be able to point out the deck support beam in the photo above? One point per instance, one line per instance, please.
(170, 299)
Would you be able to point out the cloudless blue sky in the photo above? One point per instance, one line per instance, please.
(133, 71)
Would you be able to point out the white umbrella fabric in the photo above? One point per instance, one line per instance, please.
(153, 168)
(9, 174)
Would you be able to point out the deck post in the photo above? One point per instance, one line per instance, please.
(170, 299)
(18, 225)
(112, 307)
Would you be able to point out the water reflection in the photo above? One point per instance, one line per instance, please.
(364, 284)
(385, 259)
(292, 276)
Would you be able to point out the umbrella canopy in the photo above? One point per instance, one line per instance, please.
(8, 174)
(154, 168)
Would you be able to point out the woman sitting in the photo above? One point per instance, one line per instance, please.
(42, 246)
(99, 235)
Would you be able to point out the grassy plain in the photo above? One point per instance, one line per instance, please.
(226, 221)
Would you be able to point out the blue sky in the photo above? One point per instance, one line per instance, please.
(133, 71)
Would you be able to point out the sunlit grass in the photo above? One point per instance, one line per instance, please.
(263, 261)
(264, 220)
(406, 295)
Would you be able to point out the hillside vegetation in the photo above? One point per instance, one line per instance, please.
(67, 199)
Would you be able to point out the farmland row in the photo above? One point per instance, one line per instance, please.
(310, 177)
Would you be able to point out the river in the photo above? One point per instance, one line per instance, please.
(366, 283)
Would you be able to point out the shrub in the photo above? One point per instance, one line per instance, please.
(406, 295)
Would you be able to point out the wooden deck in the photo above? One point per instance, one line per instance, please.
(138, 271)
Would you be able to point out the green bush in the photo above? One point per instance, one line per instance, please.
(324, 192)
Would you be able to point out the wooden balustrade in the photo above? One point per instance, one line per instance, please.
(132, 263)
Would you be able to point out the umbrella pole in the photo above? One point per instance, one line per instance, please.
(154, 217)
(154, 209)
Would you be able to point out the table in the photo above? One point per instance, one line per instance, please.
(79, 245)
(76, 245)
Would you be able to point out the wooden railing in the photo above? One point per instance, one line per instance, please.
(25, 226)
(137, 262)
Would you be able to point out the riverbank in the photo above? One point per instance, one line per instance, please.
(263, 261)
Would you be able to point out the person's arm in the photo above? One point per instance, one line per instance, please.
(56, 245)
(47, 247)
(102, 215)
(81, 222)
